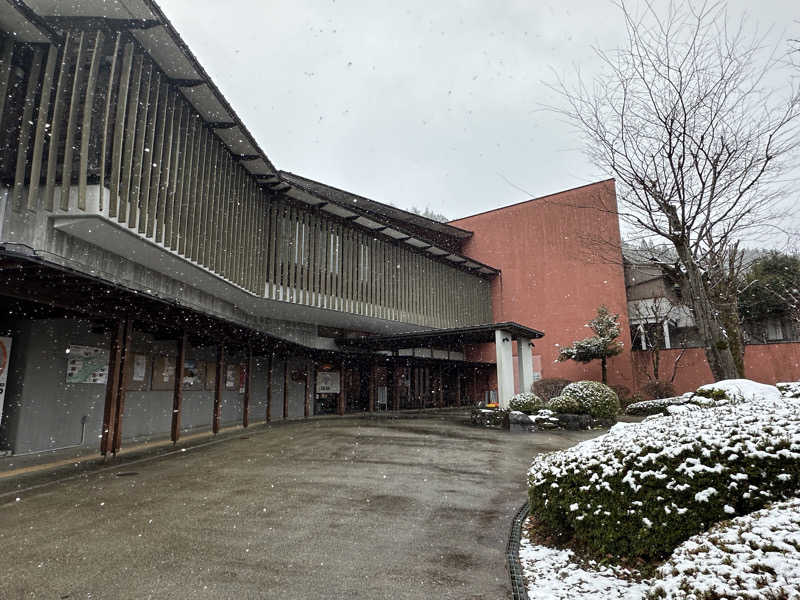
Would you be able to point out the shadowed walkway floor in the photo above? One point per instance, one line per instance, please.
(338, 508)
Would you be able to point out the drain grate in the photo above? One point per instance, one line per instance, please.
(126, 473)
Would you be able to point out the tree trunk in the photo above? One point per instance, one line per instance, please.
(718, 348)
(604, 370)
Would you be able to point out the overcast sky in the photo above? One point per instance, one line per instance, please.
(419, 102)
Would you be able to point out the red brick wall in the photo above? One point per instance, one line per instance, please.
(767, 363)
(560, 259)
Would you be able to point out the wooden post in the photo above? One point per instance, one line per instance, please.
(112, 388)
(309, 389)
(219, 387)
(246, 400)
(269, 388)
(177, 397)
(441, 386)
(340, 409)
(286, 388)
(373, 372)
(123, 385)
(458, 386)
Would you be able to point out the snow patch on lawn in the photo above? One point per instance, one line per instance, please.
(552, 574)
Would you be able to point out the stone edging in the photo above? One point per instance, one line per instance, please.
(518, 589)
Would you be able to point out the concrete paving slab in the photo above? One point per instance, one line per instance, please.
(337, 508)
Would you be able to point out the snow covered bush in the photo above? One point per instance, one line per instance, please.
(565, 404)
(756, 556)
(594, 398)
(654, 407)
(789, 389)
(736, 391)
(642, 489)
(549, 387)
(526, 402)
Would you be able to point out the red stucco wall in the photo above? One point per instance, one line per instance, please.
(767, 363)
(560, 259)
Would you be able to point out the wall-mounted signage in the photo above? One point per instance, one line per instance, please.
(328, 382)
(86, 364)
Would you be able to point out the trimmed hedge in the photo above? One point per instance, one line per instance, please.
(789, 389)
(644, 488)
(526, 402)
(594, 398)
(655, 407)
(754, 556)
(565, 404)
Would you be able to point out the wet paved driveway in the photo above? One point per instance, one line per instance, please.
(335, 508)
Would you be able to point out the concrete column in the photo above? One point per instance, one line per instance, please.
(667, 343)
(505, 366)
(525, 364)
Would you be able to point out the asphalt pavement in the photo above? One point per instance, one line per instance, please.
(345, 508)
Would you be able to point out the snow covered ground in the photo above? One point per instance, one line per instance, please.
(552, 574)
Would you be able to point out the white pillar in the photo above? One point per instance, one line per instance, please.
(667, 344)
(505, 366)
(525, 364)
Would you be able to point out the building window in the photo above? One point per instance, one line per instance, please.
(774, 330)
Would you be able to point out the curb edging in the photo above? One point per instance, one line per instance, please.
(518, 589)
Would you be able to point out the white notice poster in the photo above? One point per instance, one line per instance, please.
(139, 366)
(5, 357)
(328, 382)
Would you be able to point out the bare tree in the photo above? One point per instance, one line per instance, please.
(655, 312)
(687, 120)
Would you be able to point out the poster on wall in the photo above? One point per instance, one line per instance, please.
(193, 372)
(231, 376)
(328, 382)
(242, 378)
(137, 373)
(86, 364)
(5, 357)
(164, 373)
(139, 367)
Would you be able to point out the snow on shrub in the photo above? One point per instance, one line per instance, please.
(736, 391)
(753, 556)
(565, 404)
(654, 407)
(790, 389)
(594, 398)
(640, 490)
(526, 402)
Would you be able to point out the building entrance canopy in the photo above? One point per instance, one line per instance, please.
(441, 338)
(502, 334)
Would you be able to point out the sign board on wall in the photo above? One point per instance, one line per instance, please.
(328, 382)
(5, 358)
(86, 364)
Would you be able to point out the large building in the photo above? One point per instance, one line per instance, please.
(158, 274)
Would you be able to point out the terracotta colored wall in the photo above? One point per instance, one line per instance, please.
(766, 363)
(560, 260)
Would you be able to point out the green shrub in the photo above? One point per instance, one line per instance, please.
(594, 398)
(655, 407)
(549, 387)
(526, 402)
(789, 389)
(565, 404)
(655, 390)
(644, 488)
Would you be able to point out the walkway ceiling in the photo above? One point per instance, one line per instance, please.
(440, 338)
